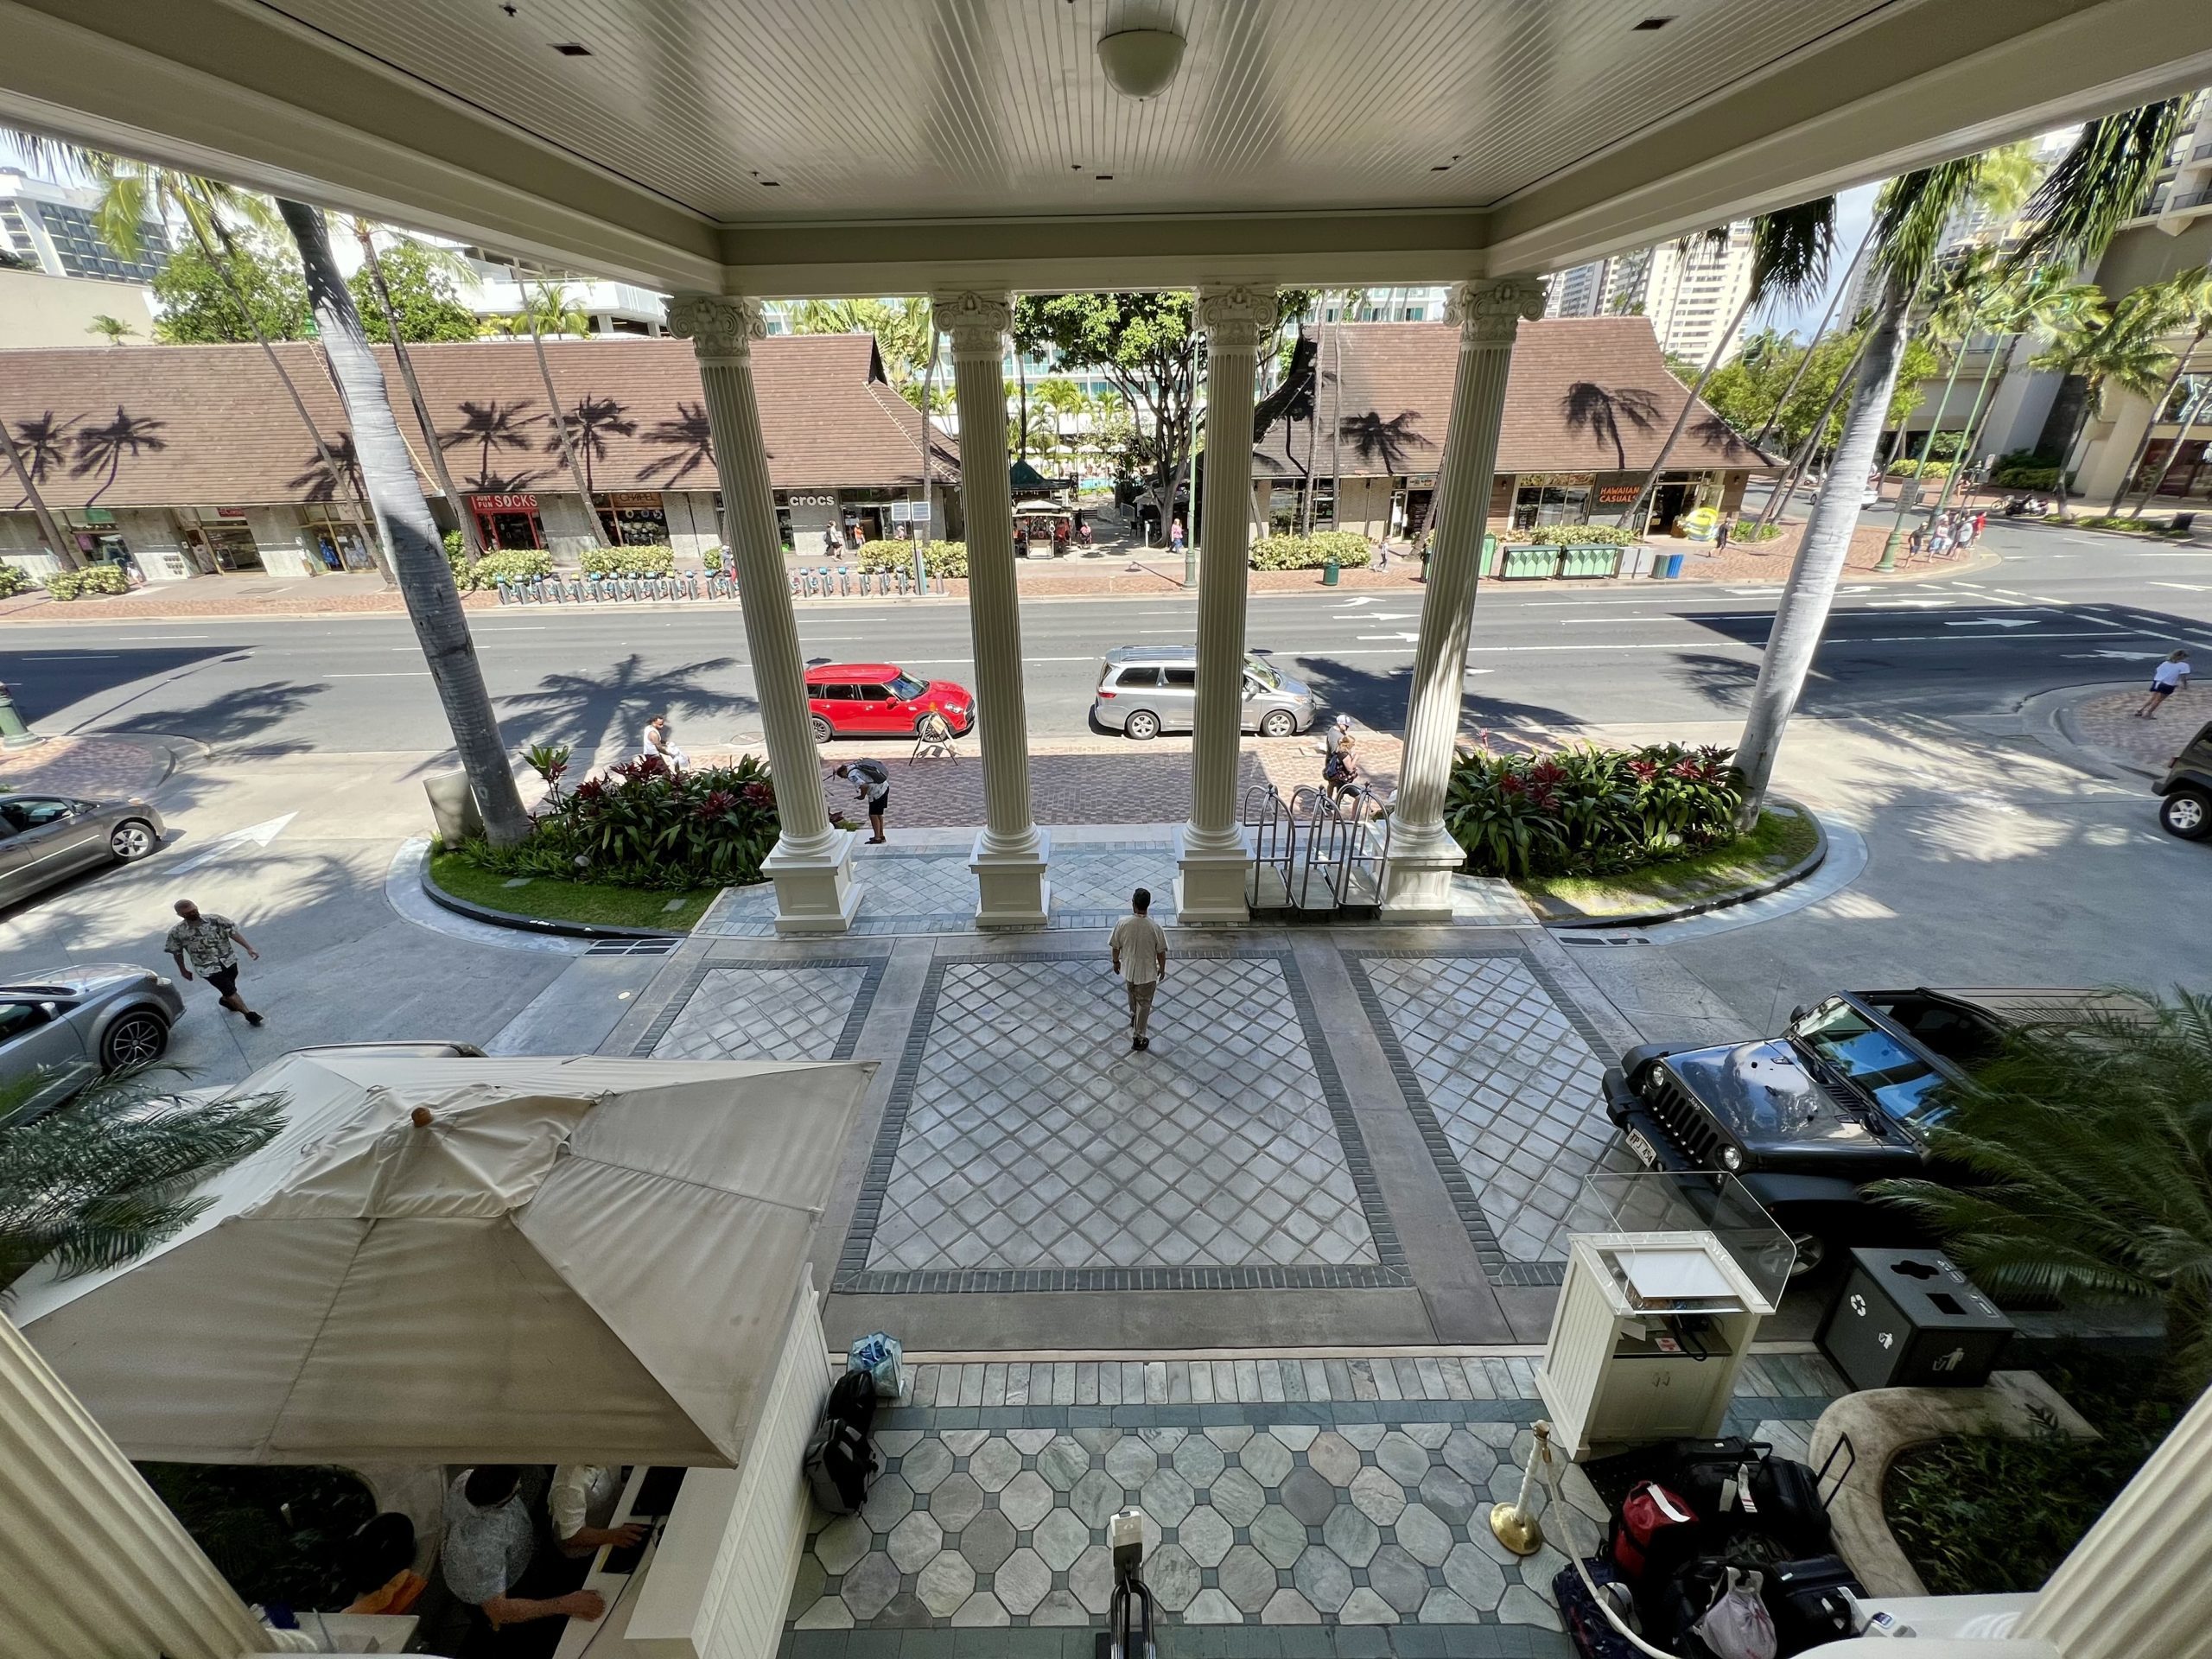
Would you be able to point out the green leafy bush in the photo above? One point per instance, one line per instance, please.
(92, 579)
(2025, 478)
(516, 564)
(642, 825)
(1588, 811)
(1349, 549)
(629, 561)
(2102, 521)
(940, 558)
(1920, 469)
(1574, 536)
(1745, 526)
(13, 581)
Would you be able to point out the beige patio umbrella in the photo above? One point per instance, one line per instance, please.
(453, 1260)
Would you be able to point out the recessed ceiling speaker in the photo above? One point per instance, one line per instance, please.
(1141, 62)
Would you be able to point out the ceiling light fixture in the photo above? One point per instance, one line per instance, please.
(1140, 63)
(1654, 23)
(572, 48)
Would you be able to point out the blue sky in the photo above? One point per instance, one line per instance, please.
(1854, 211)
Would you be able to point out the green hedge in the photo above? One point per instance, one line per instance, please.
(515, 564)
(1349, 549)
(2026, 478)
(1572, 536)
(629, 561)
(92, 579)
(641, 825)
(941, 558)
(1745, 526)
(1920, 469)
(13, 581)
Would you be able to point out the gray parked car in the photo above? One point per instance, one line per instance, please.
(47, 838)
(1144, 690)
(64, 1028)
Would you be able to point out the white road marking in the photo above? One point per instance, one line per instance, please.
(1408, 638)
(2186, 587)
(392, 674)
(2123, 656)
(257, 835)
(1990, 622)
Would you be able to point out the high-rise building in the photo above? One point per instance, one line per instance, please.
(48, 227)
(1691, 289)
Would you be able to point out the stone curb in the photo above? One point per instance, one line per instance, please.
(1796, 872)
(438, 896)
(2060, 726)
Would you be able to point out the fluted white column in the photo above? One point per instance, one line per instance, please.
(812, 862)
(93, 1565)
(1011, 854)
(1422, 855)
(1211, 857)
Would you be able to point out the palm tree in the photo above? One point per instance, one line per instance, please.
(2089, 1137)
(418, 553)
(2188, 299)
(43, 437)
(2080, 203)
(553, 310)
(114, 330)
(104, 1181)
(2126, 351)
(1057, 397)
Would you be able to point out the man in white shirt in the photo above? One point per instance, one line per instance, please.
(661, 741)
(1139, 949)
(581, 1502)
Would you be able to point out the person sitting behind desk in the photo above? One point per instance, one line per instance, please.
(488, 1544)
(379, 1566)
(583, 1501)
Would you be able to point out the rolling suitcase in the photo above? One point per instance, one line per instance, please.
(1808, 1602)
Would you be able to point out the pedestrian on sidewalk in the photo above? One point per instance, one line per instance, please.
(1340, 765)
(660, 743)
(1175, 537)
(1981, 524)
(1720, 536)
(1140, 948)
(833, 545)
(871, 782)
(2166, 678)
(207, 942)
(1913, 542)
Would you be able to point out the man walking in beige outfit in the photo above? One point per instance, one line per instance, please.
(1140, 959)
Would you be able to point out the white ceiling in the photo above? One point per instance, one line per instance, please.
(919, 108)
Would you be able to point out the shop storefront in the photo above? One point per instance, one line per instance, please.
(1411, 504)
(507, 521)
(633, 517)
(1552, 498)
(803, 515)
(222, 543)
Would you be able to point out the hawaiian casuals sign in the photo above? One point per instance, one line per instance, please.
(204, 942)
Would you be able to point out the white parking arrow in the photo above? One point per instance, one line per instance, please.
(255, 834)
(1992, 622)
(1370, 600)
(1408, 638)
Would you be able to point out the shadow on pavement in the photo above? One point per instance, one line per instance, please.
(583, 711)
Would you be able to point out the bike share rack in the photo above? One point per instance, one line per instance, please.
(819, 581)
(1320, 856)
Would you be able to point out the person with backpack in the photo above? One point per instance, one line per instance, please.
(871, 782)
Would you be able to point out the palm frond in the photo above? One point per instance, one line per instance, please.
(1911, 214)
(2101, 181)
(1790, 249)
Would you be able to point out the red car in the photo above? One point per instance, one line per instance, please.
(876, 699)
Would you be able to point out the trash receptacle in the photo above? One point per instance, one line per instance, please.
(1329, 571)
(1910, 1319)
(1674, 565)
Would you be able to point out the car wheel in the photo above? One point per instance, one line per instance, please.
(1143, 726)
(821, 732)
(1279, 722)
(2187, 814)
(133, 839)
(138, 1037)
(1812, 1253)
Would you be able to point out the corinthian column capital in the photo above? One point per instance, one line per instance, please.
(1491, 312)
(717, 325)
(1236, 318)
(977, 323)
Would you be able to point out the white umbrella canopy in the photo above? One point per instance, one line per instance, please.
(453, 1260)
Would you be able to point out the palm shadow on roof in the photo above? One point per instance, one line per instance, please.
(105, 448)
(1372, 438)
(688, 440)
(1600, 410)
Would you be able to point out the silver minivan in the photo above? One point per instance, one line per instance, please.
(1144, 690)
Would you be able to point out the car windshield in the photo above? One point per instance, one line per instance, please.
(1269, 679)
(906, 688)
(1905, 1087)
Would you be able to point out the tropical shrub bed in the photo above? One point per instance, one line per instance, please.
(642, 825)
(92, 579)
(629, 561)
(1588, 811)
(939, 558)
(2025, 477)
(1920, 469)
(1745, 526)
(13, 581)
(1348, 548)
(1574, 536)
(516, 564)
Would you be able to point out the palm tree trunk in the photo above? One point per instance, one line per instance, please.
(560, 421)
(2158, 407)
(1967, 433)
(426, 578)
(921, 537)
(1336, 430)
(472, 545)
(1021, 379)
(1803, 613)
(1787, 486)
(1713, 361)
(64, 549)
(2188, 419)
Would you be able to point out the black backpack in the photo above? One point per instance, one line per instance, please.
(839, 1462)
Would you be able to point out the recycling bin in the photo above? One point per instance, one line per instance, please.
(1910, 1319)
(1674, 565)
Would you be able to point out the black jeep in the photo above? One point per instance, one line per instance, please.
(2186, 808)
(1842, 1097)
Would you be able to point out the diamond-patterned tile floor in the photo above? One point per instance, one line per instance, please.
(1361, 1499)
(934, 891)
(1023, 1134)
(1511, 1083)
(760, 1013)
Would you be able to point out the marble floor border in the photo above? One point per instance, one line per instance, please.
(1496, 1267)
(848, 1039)
(853, 1274)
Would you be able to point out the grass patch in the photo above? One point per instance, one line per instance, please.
(554, 900)
(1777, 842)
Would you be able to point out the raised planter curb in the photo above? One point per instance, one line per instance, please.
(1796, 872)
(438, 896)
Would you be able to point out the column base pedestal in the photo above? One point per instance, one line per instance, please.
(1011, 890)
(1209, 887)
(1417, 882)
(815, 889)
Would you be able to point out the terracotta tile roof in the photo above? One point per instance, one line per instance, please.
(210, 426)
(1587, 395)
